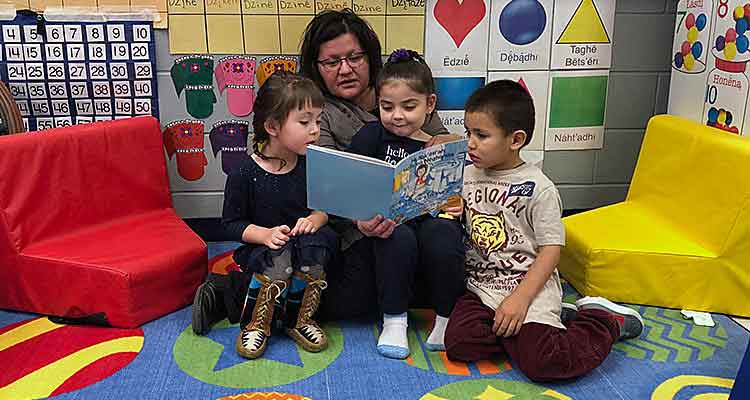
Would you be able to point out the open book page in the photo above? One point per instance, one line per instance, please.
(426, 180)
(348, 185)
(345, 154)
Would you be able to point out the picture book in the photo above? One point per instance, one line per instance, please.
(359, 187)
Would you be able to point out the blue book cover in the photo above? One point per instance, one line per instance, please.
(358, 187)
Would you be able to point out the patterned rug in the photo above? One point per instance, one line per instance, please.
(673, 359)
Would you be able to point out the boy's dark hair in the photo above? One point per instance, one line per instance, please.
(508, 103)
(280, 94)
(408, 66)
(329, 25)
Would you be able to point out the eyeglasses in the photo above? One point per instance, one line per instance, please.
(354, 60)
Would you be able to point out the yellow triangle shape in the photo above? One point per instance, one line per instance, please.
(585, 27)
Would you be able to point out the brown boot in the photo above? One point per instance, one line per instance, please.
(300, 308)
(263, 297)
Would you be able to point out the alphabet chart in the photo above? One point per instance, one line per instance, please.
(66, 73)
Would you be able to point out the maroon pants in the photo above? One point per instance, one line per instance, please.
(542, 352)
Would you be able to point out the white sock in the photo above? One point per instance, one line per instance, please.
(393, 342)
(435, 342)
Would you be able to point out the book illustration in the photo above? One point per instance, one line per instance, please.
(426, 178)
(358, 187)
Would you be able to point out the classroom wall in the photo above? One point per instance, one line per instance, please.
(638, 89)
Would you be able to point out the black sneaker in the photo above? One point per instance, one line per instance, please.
(629, 320)
(208, 307)
(568, 312)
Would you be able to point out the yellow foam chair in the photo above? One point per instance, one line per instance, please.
(681, 239)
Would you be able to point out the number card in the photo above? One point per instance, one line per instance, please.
(71, 72)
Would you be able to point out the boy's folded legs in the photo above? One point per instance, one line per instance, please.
(542, 352)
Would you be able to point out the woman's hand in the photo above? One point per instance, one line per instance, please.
(377, 227)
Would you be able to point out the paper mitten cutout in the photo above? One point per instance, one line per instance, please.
(194, 75)
(269, 65)
(236, 74)
(230, 137)
(185, 138)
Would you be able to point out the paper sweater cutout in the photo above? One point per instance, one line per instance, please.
(236, 74)
(230, 137)
(185, 138)
(194, 75)
(269, 65)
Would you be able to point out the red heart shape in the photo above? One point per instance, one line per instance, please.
(459, 19)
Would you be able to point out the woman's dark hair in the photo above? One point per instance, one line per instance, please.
(408, 66)
(280, 94)
(329, 25)
(508, 104)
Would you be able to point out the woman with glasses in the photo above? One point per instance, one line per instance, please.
(342, 54)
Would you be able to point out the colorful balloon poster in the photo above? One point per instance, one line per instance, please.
(711, 50)
(691, 57)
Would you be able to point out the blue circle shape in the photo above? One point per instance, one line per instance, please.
(700, 22)
(678, 60)
(522, 21)
(740, 26)
(697, 49)
(742, 44)
(720, 43)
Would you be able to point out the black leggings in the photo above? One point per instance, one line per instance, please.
(429, 249)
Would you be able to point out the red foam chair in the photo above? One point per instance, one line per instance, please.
(87, 228)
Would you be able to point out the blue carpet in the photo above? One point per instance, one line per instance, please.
(672, 360)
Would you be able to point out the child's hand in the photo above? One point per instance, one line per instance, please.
(510, 315)
(276, 237)
(455, 208)
(304, 227)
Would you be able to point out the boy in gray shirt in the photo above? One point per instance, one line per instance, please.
(512, 216)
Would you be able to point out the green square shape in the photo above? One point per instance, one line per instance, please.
(578, 101)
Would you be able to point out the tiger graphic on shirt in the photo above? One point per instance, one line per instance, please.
(488, 232)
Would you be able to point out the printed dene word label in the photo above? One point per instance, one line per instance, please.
(456, 62)
(369, 8)
(331, 5)
(184, 3)
(582, 56)
(284, 5)
(407, 4)
(518, 58)
(253, 4)
(450, 120)
(567, 137)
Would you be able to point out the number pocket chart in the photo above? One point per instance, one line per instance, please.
(64, 73)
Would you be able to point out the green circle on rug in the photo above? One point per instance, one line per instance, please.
(492, 389)
(198, 357)
(420, 325)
